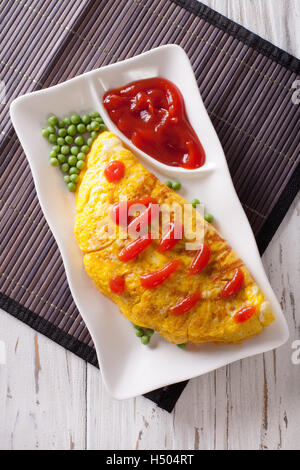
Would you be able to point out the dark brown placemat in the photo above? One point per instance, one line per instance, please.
(246, 84)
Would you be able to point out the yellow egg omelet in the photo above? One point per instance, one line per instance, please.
(212, 318)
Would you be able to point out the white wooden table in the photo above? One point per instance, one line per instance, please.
(50, 399)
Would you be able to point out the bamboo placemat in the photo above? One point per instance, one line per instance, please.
(246, 84)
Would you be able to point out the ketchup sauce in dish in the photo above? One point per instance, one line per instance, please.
(151, 113)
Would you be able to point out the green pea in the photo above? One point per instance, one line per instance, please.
(102, 128)
(176, 186)
(52, 138)
(45, 132)
(81, 128)
(72, 187)
(75, 119)
(61, 158)
(80, 164)
(72, 160)
(169, 184)
(139, 333)
(181, 346)
(54, 162)
(73, 170)
(69, 139)
(145, 339)
(62, 132)
(61, 141)
(137, 327)
(64, 168)
(195, 203)
(67, 179)
(89, 141)
(56, 148)
(149, 332)
(52, 120)
(88, 128)
(94, 134)
(74, 178)
(209, 218)
(51, 129)
(65, 149)
(79, 140)
(94, 114)
(74, 150)
(61, 124)
(81, 156)
(53, 154)
(71, 130)
(86, 119)
(99, 119)
(67, 121)
(95, 126)
(85, 148)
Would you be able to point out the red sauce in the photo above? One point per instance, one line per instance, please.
(244, 314)
(117, 285)
(152, 114)
(119, 213)
(155, 279)
(234, 285)
(201, 259)
(171, 237)
(134, 248)
(114, 171)
(120, 210)
(141, 224)
(185, 304)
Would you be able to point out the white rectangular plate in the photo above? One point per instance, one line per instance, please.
(129, 368)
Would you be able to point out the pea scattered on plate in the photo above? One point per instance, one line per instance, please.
(209, 218)
(143, 333)
(72, 138)
(176, 186)
(195, 203)
(145, 339)
(139, 333)
(173, 184)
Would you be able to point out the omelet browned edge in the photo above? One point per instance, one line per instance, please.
(212, 318)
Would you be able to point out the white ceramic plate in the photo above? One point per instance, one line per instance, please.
(129, 368)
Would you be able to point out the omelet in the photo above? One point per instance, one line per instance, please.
(212, 318)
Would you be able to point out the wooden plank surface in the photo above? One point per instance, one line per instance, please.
(276, 21)
(50, 399)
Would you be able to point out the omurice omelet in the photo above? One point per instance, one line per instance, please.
(185, 295)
